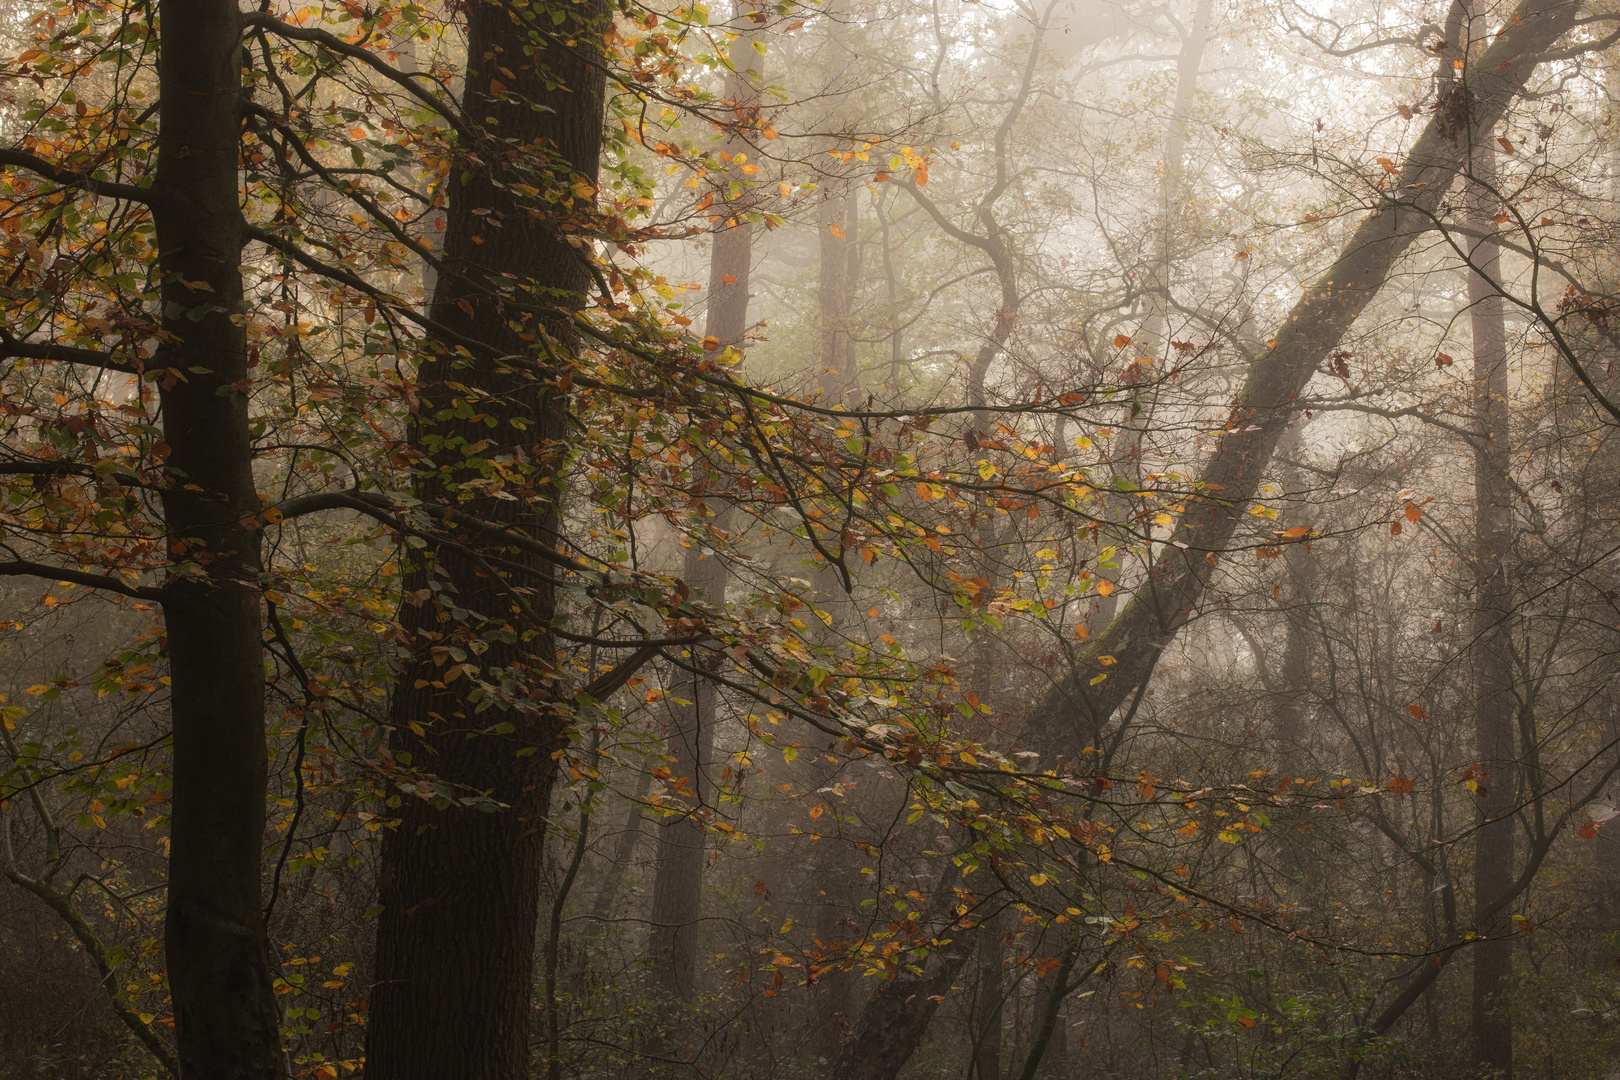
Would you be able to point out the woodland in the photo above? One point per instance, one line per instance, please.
(809, 539)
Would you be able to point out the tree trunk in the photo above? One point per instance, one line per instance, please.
(460, 887)
(987, 1011)
(1494, 709)
(838, 219)
(1156, 329)
(677, 902)
(226, 1020)
(1074, 713)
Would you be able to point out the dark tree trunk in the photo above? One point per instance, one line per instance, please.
(987, 1008)
(677, 903)
(1495, 743)
(226, 1021)
(460, 887)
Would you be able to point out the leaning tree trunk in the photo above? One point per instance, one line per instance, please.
(1074, 712)
(1495, 744)
(677, 901)
(227, 1024)
(460, 887)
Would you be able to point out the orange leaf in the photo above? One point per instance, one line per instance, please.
(1401, 785)
(1443, 360)
(1105, 587)
(836, 231)
(729, 279)
(1505, 144)
(497, 87)
(1121, 340)
(1499, 218)
(1413, 513)
(1589, 830)
(1417, 711)
(1388, 165)
(1080, 631)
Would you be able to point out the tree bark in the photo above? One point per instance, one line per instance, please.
(1495, 744)
(227, 1024)
(460, 887)
(677, 902)
(1074, 713)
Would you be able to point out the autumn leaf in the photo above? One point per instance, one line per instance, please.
(1401, 785)
(1442, 360)
(1121, 340)
(1105, 587)
(1505, 144)
(1413, 513)
(1417, 711)
(1589, 830)
(1081, 632)
(1388, 165)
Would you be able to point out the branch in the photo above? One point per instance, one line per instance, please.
(83, 181)
(24, 568)
(265, 21)
(621, 673)
(61, 354)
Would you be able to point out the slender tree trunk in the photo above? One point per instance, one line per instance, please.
(987, 1012)
(1294, 678)
(623, 851)
(460, 887)
(1495, 744)
(677, 900)
(226, 1019)
(1156, 328)
(838, 219)
(677, 903)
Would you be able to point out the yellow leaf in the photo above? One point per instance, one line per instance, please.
(1037, 880)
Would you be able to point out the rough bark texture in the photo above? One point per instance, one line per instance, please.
(460, 887)
(677, 902)
(226, 1021)
(1073, 713)
(1495, 744)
